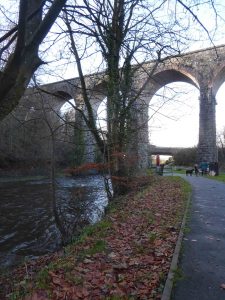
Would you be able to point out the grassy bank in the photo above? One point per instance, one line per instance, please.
(220, 177)
(125, 256)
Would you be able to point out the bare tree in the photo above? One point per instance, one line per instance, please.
(125, 33)
(19, 47)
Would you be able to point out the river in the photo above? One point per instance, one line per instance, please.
(27, 227)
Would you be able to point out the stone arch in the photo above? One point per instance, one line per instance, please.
(161, 78)
(63, 95)
(218, 86)
(64, 99)
(173, 75)
(218, 79)
(60, 98)
(97, 95)
(101, 118)
(167, 76)
(169, 115)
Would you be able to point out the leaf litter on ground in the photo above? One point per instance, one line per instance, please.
(127, 255)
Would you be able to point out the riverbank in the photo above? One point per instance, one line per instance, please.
(27, 224)
(125, 256)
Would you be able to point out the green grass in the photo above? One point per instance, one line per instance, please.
(183, 171)
(152, 236)
(220, 177)
(186, 187)
(18, 291)
(99, 246)
(43, 278)
(177, 275)
(99, 229)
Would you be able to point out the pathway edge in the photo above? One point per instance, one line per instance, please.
(169, 281)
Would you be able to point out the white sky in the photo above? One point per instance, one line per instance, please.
(183, 130)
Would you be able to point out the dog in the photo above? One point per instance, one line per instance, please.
(189, 172)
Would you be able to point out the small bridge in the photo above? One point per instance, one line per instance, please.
(154, 150)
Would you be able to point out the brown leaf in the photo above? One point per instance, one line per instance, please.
(120, 266)
(123, 271)
(85, 292)
(87, 261)
(58, 281)
(158, 243)
(38, 295)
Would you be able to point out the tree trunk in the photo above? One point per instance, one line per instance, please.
(24, 60)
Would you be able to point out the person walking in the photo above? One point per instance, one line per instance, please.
(204, 167)
(196, 170)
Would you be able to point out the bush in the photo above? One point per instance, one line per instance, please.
(186, 157)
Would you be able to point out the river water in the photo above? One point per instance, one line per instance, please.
(27, 227)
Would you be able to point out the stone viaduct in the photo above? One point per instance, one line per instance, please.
(204, 69)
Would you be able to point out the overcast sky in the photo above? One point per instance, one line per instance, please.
(182, 129)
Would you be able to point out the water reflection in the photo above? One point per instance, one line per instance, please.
(27, 227)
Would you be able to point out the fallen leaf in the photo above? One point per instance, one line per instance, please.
(38, 295)
(133, 261)
(112, 255)
(120, 266)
